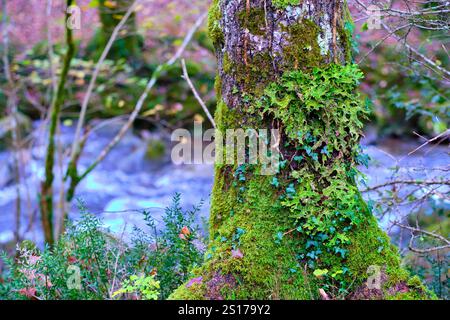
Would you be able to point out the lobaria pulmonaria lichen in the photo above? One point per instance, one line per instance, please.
(321, 116)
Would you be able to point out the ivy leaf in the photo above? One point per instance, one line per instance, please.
(320, 272)
(275, 182)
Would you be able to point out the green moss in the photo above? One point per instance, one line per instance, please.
(156, 149)
(253, 77)
(371, 246)
(214, 28)
(416, 292)
(218, 87)
(268, 268)
(282, 4)
(345, 32)
(193, 292)
(256, 75)
(254, 21)
(225, 117)
(227, 65)
(303, 50)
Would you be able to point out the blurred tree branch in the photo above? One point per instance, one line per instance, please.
(425, 15)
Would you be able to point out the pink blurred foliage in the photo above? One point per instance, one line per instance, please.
(370, 37)
(160, 18)
(29, 23)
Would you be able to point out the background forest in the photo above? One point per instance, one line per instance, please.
(86, 116)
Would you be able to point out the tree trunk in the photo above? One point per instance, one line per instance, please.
(304, 233)
(127, 44)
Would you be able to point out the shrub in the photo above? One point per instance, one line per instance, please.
(89, 262)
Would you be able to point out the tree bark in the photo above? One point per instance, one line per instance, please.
(304, 232)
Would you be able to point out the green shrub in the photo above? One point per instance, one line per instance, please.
(89, 262)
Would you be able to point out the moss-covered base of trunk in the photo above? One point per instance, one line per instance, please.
(247, 260)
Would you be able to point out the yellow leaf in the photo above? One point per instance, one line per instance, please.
(110, 4)
(198, 118)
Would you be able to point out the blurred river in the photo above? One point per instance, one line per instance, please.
(128, 181)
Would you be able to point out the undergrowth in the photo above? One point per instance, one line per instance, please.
(89, 262)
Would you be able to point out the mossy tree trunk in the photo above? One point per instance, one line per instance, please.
(127, 46)
(304, 233)
(46, 197)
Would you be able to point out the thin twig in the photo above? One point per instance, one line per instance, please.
(194, 91)
(409, 182)
(443, 134)
(87, 96)
(150, 84)
(50, 45)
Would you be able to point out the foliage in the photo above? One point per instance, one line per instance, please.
(281, 4)
(405, 100)
(322, 118)
(432, 266)
(90, 263)
(146, 287)
(118, 87)
(177, 249)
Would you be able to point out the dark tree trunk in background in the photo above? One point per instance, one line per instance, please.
(304, 233)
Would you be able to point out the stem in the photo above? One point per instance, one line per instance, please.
(12, 110)
(46, 196)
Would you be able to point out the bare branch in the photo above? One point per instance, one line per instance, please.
(150, 84)
(442, 135)
(87, 96)
(194, 91)
(408, 182)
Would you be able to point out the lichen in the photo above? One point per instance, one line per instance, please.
(283, 4)
(324, 38)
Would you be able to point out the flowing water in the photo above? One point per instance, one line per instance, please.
(127, 181)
